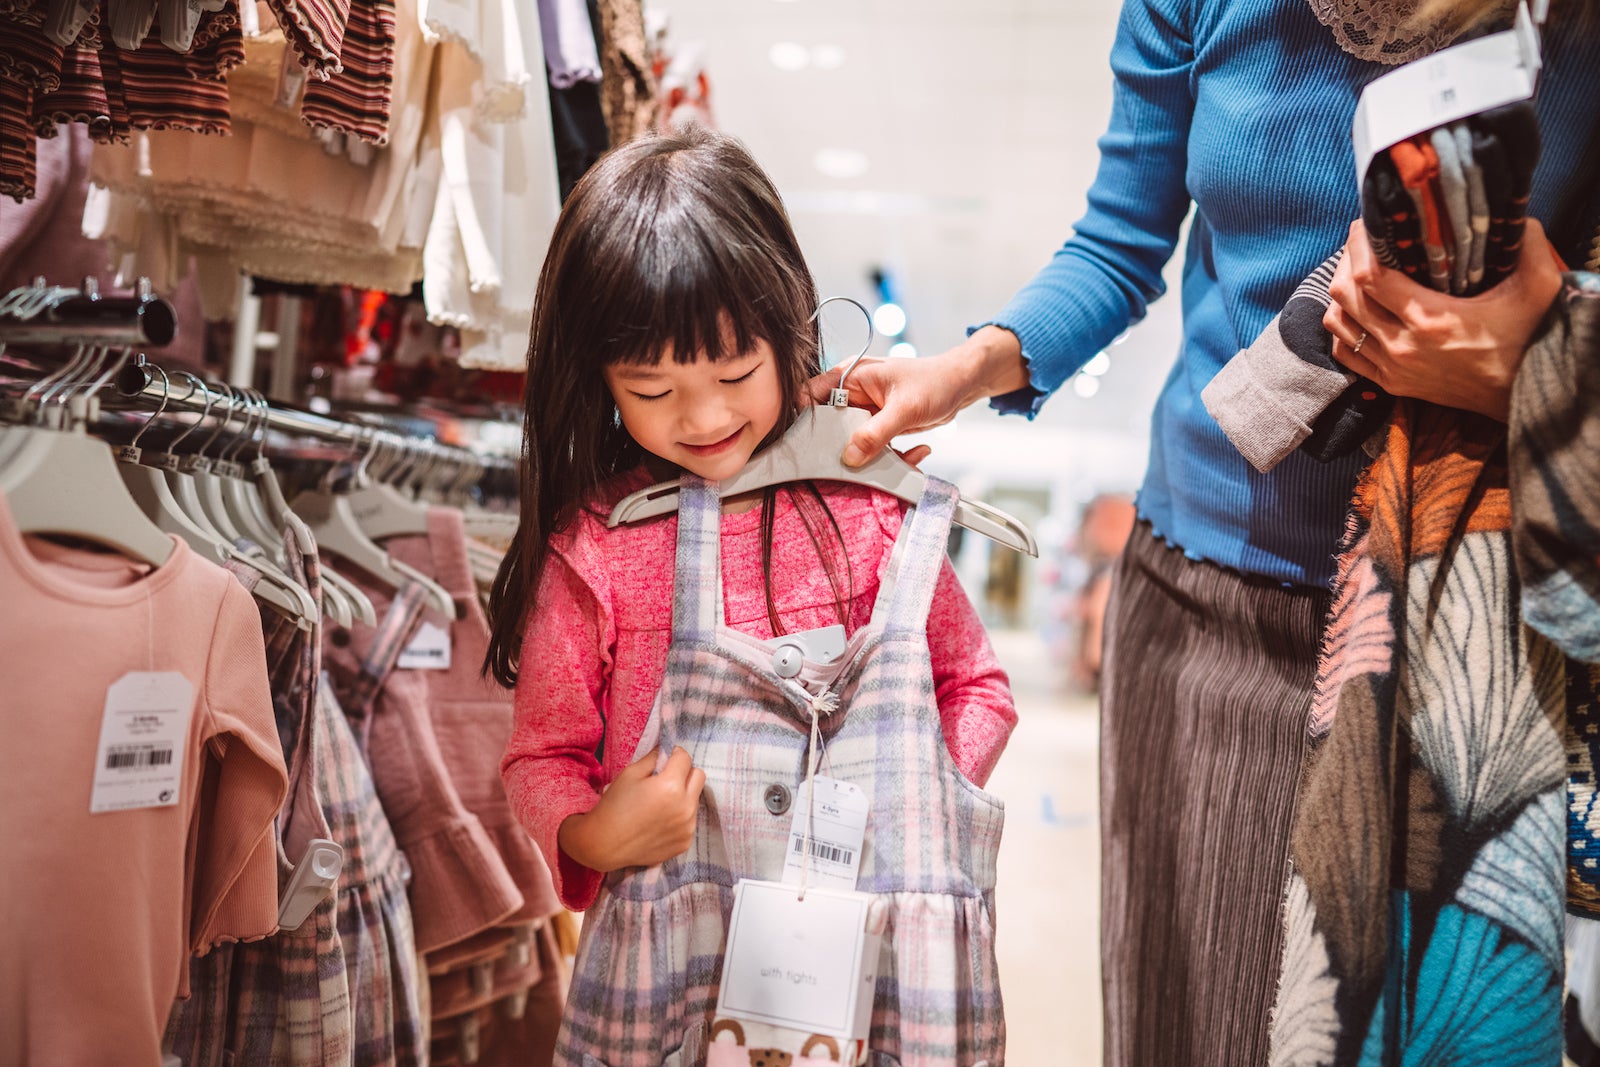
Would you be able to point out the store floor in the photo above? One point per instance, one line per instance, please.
(1048, 901)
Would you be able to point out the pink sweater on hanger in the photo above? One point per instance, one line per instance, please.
(595, 648)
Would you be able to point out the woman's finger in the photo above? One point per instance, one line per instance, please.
(1357, 362)
(1351, 294)
(1343, 327)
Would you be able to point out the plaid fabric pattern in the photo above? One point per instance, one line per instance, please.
(650, 956)
(284, 1000)
(375, 921)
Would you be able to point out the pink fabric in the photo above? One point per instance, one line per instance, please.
(596, 645)
(99, 912)
(470, 714)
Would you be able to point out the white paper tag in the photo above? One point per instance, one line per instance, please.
(429, 649)
(1459, 81)
(838, 830)
(806, 964)
(143, 735)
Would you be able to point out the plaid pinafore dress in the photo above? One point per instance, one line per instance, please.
(649, 961)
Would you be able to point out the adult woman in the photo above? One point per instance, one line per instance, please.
(1245, 107)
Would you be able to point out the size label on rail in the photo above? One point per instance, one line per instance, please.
(143, 735)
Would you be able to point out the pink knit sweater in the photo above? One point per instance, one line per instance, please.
(596, 648)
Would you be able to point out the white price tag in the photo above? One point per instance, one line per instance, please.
(807, 964)
(1453, 83)
(429, 649)
(838, 830)
(143, 735)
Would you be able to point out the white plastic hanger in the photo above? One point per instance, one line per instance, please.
(811, 450)
(237, 496)
(275, 588)
(277, 510)
(338, 531)
(64, 482)
(383, 510)
(148, 487)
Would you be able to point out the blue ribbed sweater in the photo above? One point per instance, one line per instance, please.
(1243, 106)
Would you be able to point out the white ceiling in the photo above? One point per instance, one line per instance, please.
(978, 120)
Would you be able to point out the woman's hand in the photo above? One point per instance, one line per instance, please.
(911, 395)
(642, 819)
(1462, 352)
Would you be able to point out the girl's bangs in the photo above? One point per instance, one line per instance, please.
(700, 296)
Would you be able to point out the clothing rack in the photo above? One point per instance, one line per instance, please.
(40, 314)
(142, 381)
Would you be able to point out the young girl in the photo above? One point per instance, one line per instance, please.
(673, 335)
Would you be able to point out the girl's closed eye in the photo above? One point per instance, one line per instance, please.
(746, 376)
(650, 396)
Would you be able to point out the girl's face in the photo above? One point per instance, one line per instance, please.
(707, 418)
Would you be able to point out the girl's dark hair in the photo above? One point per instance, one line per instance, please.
(680, 242)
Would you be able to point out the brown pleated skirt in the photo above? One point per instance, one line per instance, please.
(1206, 691)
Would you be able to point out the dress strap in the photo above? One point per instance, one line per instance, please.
(697, 577)
(906, 592)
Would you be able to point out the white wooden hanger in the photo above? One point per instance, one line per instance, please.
(64, 482)
(812, 450)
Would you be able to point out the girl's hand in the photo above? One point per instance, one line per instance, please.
(1462, 352)
(642, 819)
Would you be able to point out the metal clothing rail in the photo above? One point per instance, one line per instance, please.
(142, 381)
(41, 314)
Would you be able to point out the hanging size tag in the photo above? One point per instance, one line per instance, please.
(838, 830)
(143, 734)
(429, 649)
(810, 965)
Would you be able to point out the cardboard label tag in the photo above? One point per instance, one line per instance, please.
(807, 964)
(143, 735)
(838, 830)
(429, 649)
(1450, 84)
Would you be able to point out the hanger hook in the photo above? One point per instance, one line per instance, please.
(47, 385)
(166, 394)
(360, 476)
(194, 383)
(816, 317)
(233, 449)
(260, 400)
(111, 368)
(227, 418)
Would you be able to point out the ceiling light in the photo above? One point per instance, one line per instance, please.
(890, 320)
(1098, 365)
(786, 55)
(903, 350)
(841, 162)
(1085, 386)
(827, 57)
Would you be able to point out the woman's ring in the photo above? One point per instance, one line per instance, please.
(1356, 348)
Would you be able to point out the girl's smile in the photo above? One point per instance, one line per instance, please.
(705, 417)
(717, 446)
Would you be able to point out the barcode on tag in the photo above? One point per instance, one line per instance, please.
(143, 734)
(128, 759)
(824, 851)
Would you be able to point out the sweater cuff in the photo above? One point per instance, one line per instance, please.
(1031, 397)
